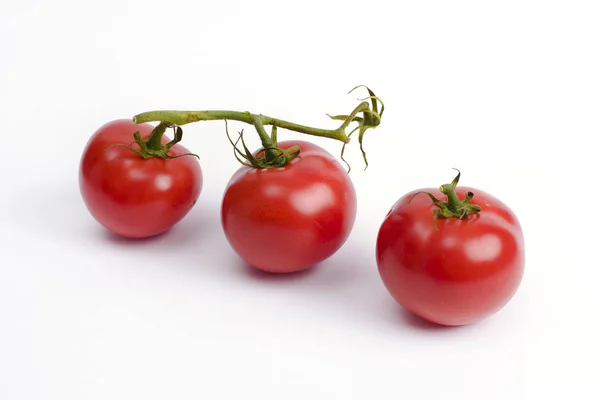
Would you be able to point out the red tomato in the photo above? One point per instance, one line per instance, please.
(131, 196)
(464, 271)
(288, 219)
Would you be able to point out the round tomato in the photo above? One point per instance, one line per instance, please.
(457, 270)
(132, 196)
(290, 218)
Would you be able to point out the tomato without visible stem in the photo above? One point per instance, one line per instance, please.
(290, 218)
(132, 196)
(464, 271)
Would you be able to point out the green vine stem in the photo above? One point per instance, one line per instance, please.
(186, 117)
(371, 118)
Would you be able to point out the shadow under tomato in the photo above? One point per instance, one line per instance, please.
(190, 231)
(125, 241)
(264, 276)
(414, 321)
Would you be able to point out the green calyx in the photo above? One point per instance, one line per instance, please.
(272, 155)
(453, 207)
(152, 147)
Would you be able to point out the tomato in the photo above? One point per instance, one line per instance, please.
(465, 270)
(132, 196)
(290, 218)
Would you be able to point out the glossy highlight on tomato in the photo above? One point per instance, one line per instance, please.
(290, 218)
(466, 270)
(131, 196)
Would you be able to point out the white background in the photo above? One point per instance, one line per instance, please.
(509, 92)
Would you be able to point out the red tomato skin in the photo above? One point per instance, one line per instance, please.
(131, 196)
(465, 271)
(288, 219)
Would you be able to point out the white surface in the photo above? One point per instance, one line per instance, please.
(506, 91)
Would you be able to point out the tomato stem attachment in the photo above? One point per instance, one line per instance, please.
(274, 157)
(453, 207)
(152, 147)
(370, 118)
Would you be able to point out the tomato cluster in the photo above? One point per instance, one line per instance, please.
(451, 259)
